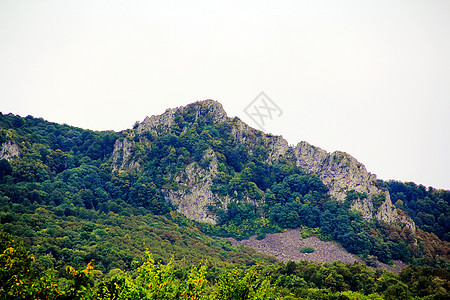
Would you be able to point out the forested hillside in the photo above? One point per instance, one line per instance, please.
(83, 198)
(429, 208)
(69, 208)
(22, 277)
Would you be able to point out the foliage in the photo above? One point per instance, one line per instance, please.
(154, 281)
(428, 207)
(307, 250)
(249, 285)
(332, 281)
(62, 199)
(18, 281)
(158, 280)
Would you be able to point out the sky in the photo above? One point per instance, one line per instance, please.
(370, 78)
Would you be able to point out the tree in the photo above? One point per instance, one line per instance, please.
(235, 285)
(57, 161)
(399, 291)
(5, 169)
(17, 280)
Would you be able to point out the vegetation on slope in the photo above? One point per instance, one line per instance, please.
(62, 199)
(22, 278)
(68, 207)
(428, 207)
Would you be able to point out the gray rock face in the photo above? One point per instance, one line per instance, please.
(342, 173)
(210, 109)
(9, 150)
(278, 146)
(195, 196)
(122, 155)
(164, 121)
(310, 157)
(339, 171)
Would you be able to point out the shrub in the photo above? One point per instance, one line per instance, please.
(307, 250)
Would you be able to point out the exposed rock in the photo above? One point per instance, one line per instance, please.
(387, 211)
(339, 171)
(164, 122)
(286, 246)
(278, 147)
(195, 196)
(365, 207)
(210, 109)
(215, 111)
(245, 135)
(342, 173)
(239, 130)
(310, 157)
(9, 150)
(122, 155)
(405, 219)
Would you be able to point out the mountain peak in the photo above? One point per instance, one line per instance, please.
(344, 176)
(210, 111)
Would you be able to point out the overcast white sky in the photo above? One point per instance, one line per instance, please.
(371, 78)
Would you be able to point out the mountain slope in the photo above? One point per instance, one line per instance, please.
(340, 172)
(218, 170)
(59, 196)
(235, 180)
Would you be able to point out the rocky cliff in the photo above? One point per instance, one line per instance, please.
(195, 195)
(209, 109)
(123, 154)
(339, 171)
(342, 174)
(9, 150)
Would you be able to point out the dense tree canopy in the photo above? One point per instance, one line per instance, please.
(428, 207)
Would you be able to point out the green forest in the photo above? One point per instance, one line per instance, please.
(73, 228)
(22, 277)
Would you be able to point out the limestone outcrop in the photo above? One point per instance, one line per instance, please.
(122, 155)
(342, 173)
(124, 158)
(211, 110)
(195, 196)
(9, 150)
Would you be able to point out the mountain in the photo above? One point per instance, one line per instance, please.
(227, 172)
(184, 183)
(340, 172)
